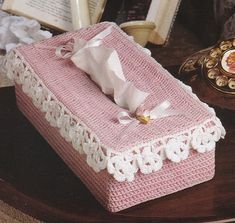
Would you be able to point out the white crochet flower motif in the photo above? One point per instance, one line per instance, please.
(177, 149)
(202, 140)
(65, 123)
(45, 103)
(149, 161)
(28, 86)
(95, 155)
(40, 96)
(51, 113)
(8, 62)
(25, 79)
(217, 130)
(76, 134)
(15, 31)
(122, 166)
(19, 71)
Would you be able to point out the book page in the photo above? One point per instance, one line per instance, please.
(92, 6)
(96, 8)
(6, 5)
(56, 13)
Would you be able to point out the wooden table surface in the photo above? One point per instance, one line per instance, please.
(36, 181)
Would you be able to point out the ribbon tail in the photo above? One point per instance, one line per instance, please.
(130, 127)
(125, 119)
(170, 113)
(159, 110)
(162, 110)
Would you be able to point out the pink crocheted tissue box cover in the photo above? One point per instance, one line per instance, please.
(80, 122)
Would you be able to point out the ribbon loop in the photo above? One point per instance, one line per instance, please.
(124, 118)
(160, 110)
(64, 51)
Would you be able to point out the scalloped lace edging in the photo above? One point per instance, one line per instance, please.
(146, 158)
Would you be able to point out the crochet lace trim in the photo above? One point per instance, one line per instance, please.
(146, 158)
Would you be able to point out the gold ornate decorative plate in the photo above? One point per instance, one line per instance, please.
(210, 73)
(218, 66)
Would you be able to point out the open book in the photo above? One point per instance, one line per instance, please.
(55, 14)
(161, 12)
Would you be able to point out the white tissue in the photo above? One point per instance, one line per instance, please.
(15, 31)
(103, 66)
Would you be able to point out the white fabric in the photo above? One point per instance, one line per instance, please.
(15, 31)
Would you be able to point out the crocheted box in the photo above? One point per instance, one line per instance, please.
(80, 122)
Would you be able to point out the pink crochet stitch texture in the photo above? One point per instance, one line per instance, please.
(74, 89)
